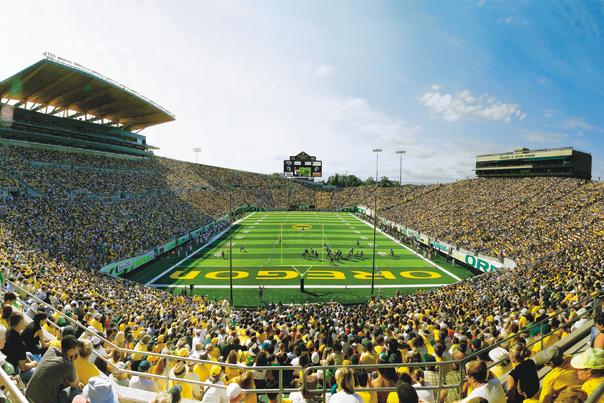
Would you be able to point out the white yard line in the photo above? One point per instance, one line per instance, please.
(307, 286)
(210, 242)
(409, 249)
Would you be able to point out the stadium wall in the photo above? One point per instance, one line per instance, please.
(480, 262)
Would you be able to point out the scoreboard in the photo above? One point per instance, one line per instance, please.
(302, 166)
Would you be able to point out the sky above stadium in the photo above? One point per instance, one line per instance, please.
(253, 82)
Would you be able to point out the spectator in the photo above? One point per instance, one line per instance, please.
(100, 389)
(561, 376)
(14, 348)
(590, 369)
(84, 368)
(482, 386)
(346, 393)
(598, 340)
(214, 394)
(55, 373)
(142, 382)
(523, 381)
(33, 335)
(234, 394)
(406, 393)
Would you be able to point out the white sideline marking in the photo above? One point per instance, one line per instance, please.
(210, 242)
(411, 250)
(249, 286)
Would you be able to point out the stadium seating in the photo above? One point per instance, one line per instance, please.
(87, 210)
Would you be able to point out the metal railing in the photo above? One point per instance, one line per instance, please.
(10, 389)
(587, 303)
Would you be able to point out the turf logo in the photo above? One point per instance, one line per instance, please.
(302, 226)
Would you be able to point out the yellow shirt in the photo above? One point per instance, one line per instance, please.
(139, 347)
(499, 370)
(97, 325)
(592, 384)
(369, 397)
(202, 371)
(392, 398)
(85, 369)
(558, 379)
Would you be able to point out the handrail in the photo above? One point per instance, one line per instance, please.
(13, 392)
(587, 303)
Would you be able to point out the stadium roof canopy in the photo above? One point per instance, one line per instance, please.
(59, 87)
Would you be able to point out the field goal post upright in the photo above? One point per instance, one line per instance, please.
(323, 242)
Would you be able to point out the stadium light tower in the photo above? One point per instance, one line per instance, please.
(377, 152)
(196, 150)
(400, 171)
(231, 247)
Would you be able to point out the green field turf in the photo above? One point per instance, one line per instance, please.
(274, 243)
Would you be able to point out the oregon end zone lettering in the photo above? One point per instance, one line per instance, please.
(479, 263)
(312, 274)
(302, 226)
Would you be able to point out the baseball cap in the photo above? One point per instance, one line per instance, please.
(589, 359)
(498, 354)
(233, 391)
(215, 370)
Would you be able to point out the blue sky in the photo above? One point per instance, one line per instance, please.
(252, 82)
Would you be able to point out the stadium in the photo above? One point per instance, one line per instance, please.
(132, 277)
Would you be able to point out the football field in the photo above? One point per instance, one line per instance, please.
(277, 249)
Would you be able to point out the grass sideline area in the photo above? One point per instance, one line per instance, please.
(268, 250)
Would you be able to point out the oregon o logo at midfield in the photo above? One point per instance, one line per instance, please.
(301, 226)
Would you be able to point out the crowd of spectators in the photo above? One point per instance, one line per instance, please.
(553, 228)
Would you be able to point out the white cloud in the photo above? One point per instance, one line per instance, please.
(576, 123)
(543, 81)
(545, 137)
(324, 70)
(452, 107)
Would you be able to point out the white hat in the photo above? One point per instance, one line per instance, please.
(498, 354)
(100, 390)
(233, 391)
(315, 358)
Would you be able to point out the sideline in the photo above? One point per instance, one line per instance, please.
(209, 243)
(409, 249)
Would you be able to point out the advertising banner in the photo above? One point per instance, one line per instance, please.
(480, 262)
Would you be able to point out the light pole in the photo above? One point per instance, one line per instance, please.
(231, 247)
(196, 150)
(400, 171)
(377, 152)
(374, 231)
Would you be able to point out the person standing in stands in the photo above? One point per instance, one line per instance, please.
(15, 350)
(55, 373)
(523, 380)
